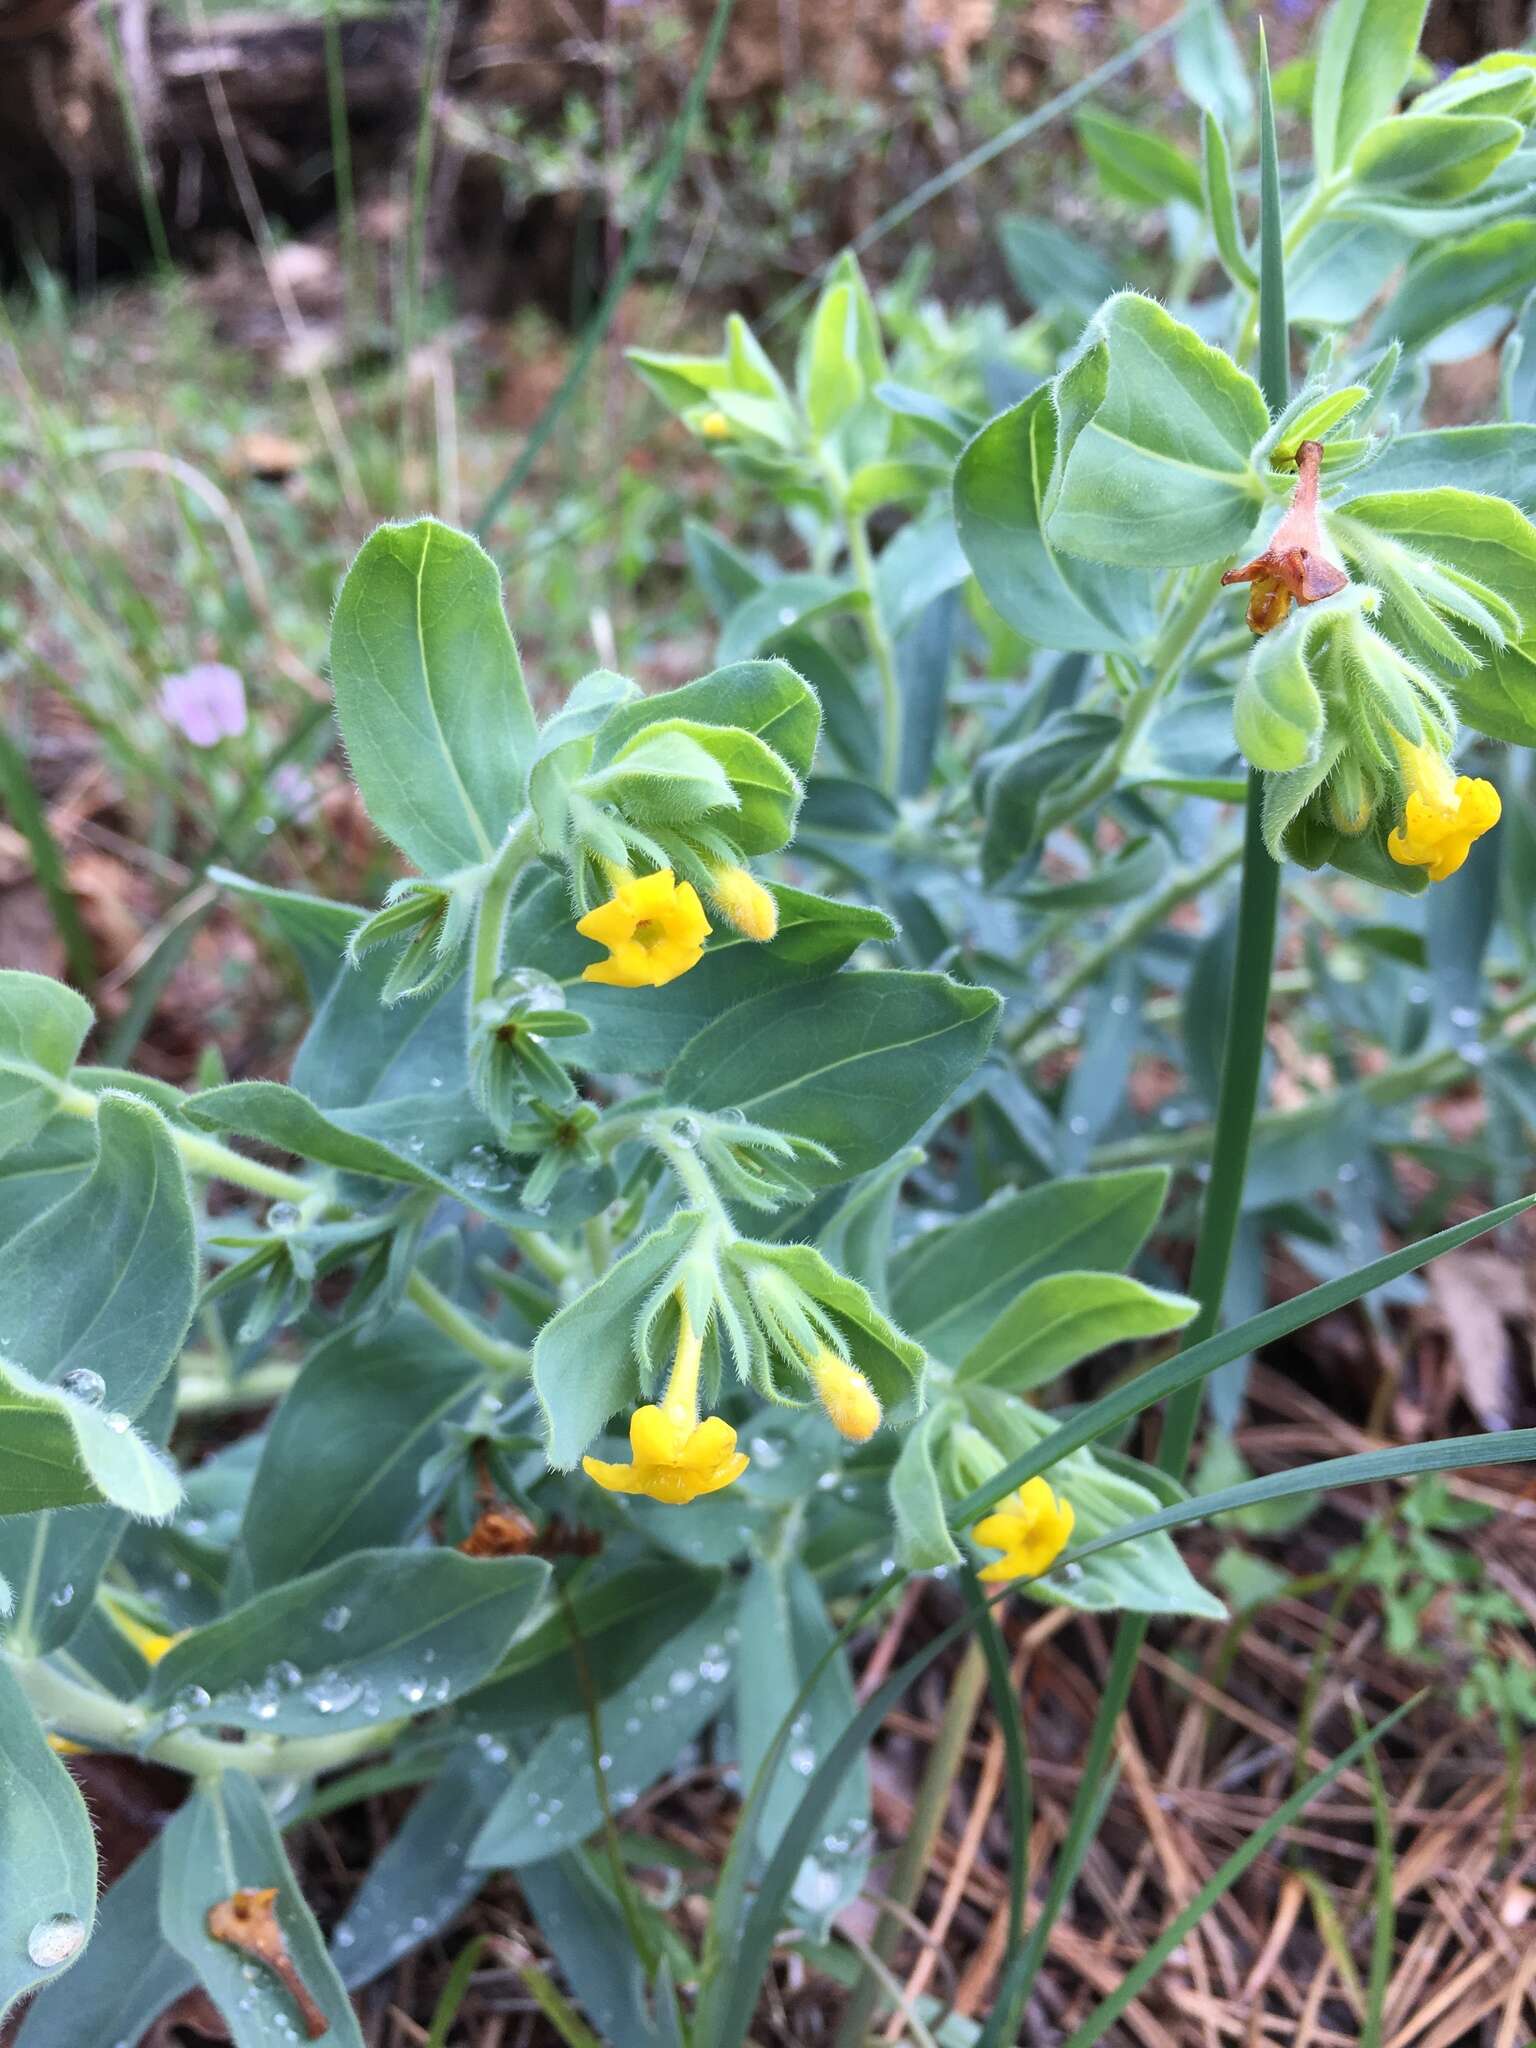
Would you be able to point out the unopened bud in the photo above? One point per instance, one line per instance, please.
(849, 1399)
(744, 903)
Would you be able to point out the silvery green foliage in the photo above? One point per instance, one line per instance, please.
(506, 1183)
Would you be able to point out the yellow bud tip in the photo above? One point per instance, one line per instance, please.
(1443, 814)
(715, 427)
(850, 1401)
(1031, 1528)
(744, 903)
(62, 1745)
(654, 928)
(149, 1642)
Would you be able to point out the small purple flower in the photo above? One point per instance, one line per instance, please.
(294, 791)
(206, 702)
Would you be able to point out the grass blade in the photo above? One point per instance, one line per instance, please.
(1121, 1403)
(1136, 1980)
(30, 817)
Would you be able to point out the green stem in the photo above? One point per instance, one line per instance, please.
(494, 1353)
(862, 562)
(207, 1157)
(491, 913)
(1181, 886)
(86, 1715)
(692, 1176)
(916, 1855)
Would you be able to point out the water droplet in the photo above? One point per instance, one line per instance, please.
(284, 1216)
(344, 1937)
(1078, 1126)
(81, 1384)
(766, 1454)
(193, 1698)
(336, 1619)
(61, 1595)
(1120, 1005)
(118, 1424)
(333, 1692)
(604, 1762)
(685, 1129)
(55, 1940)
(803, 1760)
(681, 1683)
(1463, 1018)
(412, 1690)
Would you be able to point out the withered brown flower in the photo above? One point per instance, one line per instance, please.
(1294, 567)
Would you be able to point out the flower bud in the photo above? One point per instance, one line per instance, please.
(744, 903)
(849, 1399)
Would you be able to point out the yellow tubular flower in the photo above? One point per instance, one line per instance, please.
(676, 1456)
(1442, 815)
(1031, 1528)
(847, 1396)
(149, 1642)
(715, 427)
(744, 903)
(654, 929)
(64, 1745)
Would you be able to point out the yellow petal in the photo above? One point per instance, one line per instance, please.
(1000, 1570)
(649, 895)
(1000, 1531)
(655, 1437)
(612, 973)
(610, 924)
(669, 960)
(687, 918)
(711, 1444)
(616, 1478)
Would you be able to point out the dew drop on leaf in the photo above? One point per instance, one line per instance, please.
(81, 1384)
(55, 1940)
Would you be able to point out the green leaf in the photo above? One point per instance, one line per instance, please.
(222, 1841)
(1067, 1317)
(1495, 266)
(105, 1281)
(953, 1283)
(1134, 163)
(60, 1452)
(785, 1639)
(553, 1802)
(1013, 782)
(340, 1463)
(1058, 600)
(831, 382)
(430, 694)
(1130, 871)
(420, 1881)
(762, 697)
(1221, 205)
(857, 1062)
(1156, 473)
(1498, 697)
(47, 1854)
(1101, 1417)
(378, 1635)
(891, 1362)
(1363, 61)
(763, 621)
(316, 929)
(898, 480)
(585, 1367)
(1499, 461)
(1051, 267)
(440, 1141)
(1109, 1494)
(1483, 538)
(54, 1560)
(923, 1539)
(43, 1025)
(1431, 158)
(126, 1978)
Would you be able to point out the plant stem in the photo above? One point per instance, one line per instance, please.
(491, 914)
(208, 1158)
(1180, 887)
(89, 1716)
(916, 1855)
(862, 562)
(494, 1353)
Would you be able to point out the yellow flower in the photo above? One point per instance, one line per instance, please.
(714, 426)
(654, 929)
(149, 1642)
(1030, 1528)
(1443, 813)
(847, 1396)
(676, 1456)
(744, 903)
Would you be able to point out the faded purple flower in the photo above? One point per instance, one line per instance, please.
(206, 702)
(294, 791)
